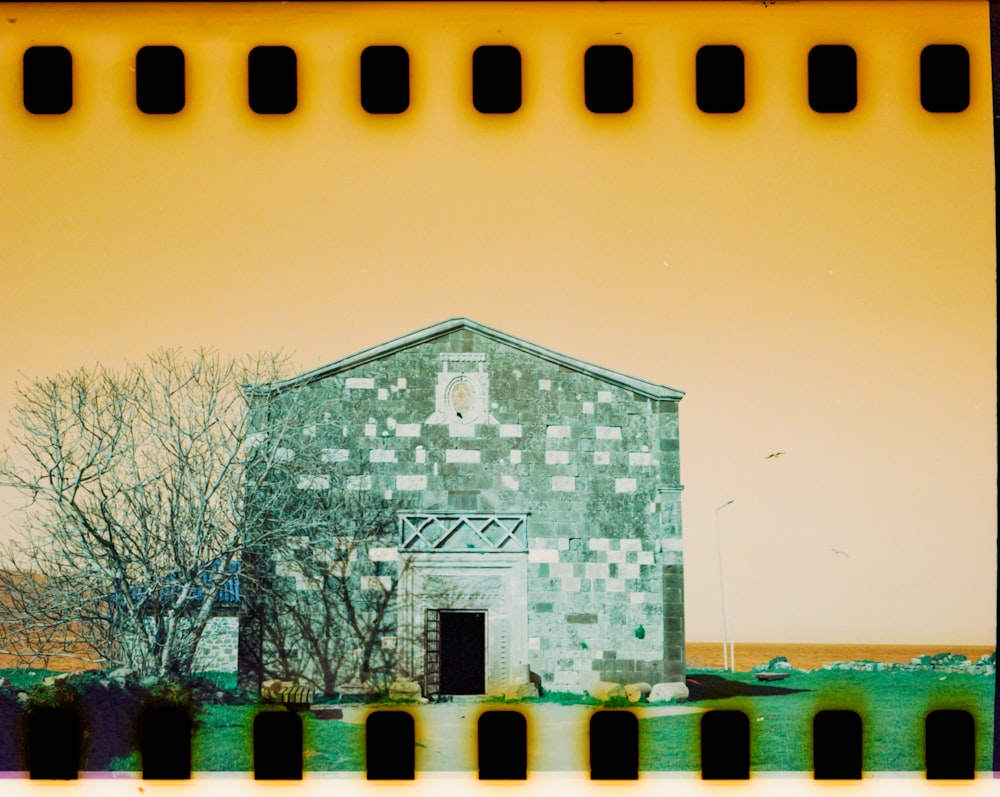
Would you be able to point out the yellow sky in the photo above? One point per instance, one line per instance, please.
(818, 284)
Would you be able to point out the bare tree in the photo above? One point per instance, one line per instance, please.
(149, 491)
(332, 600)
(324, 606)
(138, 508)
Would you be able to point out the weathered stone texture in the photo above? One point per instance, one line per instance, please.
(217, 648)
(593, 464)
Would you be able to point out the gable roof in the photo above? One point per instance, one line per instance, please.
(640, 386)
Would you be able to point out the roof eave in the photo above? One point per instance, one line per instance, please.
(641, 386)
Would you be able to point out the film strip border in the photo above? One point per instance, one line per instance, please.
(162, 730)
(947, 732)
(607, 77)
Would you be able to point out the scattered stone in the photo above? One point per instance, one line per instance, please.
(940, 662)
(668, 692)
(355, 688)
(635, 692)
(947, 659)
(122, 674)
(605, 690)
(777, 664)
(271, 689)
(404, 690)
(520, 691)
(296, 697)
(326, 713)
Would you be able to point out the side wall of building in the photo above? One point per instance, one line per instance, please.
(216, 650)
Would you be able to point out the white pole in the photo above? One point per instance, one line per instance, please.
(732, 645)
(722, 588)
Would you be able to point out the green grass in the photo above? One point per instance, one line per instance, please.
(892, 706)
(222, 680)
(224, 742)
(25, 679)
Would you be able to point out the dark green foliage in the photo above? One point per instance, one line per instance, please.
(109, 710)
(11, 716)
(21, 678)
(207, 688)
(105, 708)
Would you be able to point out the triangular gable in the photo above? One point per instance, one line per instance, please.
(640, 386)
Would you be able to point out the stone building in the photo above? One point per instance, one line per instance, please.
(217, 648)
(540, 524)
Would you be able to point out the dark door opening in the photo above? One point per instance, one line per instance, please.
(463, 652)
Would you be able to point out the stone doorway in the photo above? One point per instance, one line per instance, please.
(491, 587)
(462, 652)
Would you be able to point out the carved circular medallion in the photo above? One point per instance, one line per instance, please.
(463, 399)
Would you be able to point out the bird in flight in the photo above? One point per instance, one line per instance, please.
(775, 454)
(842, 553)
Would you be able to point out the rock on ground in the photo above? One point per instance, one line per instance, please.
(269, 690)
(404, 690)
(634, 692)
(668, 692)
(605, 690)
(520, 691)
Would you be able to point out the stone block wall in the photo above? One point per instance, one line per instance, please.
(593, 464)
(596, 611)
(218, 645)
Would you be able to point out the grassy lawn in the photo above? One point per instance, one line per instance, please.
(25, 679)
(892, 706)
(223, 742)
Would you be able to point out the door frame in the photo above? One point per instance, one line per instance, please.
(505, 604)
(440, 662)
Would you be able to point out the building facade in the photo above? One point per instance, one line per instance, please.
(538, 508)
